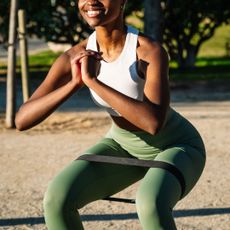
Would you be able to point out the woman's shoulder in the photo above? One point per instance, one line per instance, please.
(62, 63)
(75, 49)
(149, 48)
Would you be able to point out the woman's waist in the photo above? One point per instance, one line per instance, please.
(177, 130)
(123, 123)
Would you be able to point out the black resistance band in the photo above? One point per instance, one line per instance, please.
(135, 162)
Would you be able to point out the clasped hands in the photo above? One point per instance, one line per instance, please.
(85, 67)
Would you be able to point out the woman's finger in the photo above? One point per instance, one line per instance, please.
(84, 54)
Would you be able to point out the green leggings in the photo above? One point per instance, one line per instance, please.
(83, 182)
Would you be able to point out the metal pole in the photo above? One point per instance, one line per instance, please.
(10, 97)
(23, 54)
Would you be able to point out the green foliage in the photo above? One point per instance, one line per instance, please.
(4, 19)
(133, 6)
(60, 23)
(187, 24)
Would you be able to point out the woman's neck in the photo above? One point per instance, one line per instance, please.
(111, 40)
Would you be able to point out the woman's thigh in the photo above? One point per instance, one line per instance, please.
(82, 182)
(159, 182)
(188, 160)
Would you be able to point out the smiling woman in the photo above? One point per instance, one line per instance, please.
(98, 13)
(127, 74)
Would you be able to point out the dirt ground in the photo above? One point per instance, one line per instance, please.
(28, 160)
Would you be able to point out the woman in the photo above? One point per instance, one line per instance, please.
(127, 74)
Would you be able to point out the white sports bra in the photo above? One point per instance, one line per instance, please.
(120, 74)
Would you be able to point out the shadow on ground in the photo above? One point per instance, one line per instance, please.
(109, 217)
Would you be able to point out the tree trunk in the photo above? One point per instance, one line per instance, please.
(191, 57)
(187, 61)
(153, 19)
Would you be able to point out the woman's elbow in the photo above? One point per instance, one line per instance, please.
(154, 126)
(153, 130)
(19, 124)
(22, 120)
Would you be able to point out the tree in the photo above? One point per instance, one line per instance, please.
(153, 19)
(59, 23)
(187, 24)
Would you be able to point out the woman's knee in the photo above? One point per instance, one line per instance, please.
(158, 193)
(63, 192)
(55, 199)
(150, 205)
(154, 210)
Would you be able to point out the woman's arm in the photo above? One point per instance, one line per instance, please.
(150, 114)
(56, 88)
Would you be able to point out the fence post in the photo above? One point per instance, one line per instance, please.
(11, 94)
(23, 54)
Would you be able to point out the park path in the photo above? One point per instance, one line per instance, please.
(34, 46)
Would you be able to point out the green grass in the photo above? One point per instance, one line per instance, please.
(45, 58)
(207, 68)
(216, 46)
(206, 61)
(213, 61)
(37, 62)
(201, 73)
(41, 61)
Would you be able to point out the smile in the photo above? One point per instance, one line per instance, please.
(93, 13)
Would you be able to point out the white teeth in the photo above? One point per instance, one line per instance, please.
(93, 13)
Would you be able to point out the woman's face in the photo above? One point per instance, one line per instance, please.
(101, 12)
